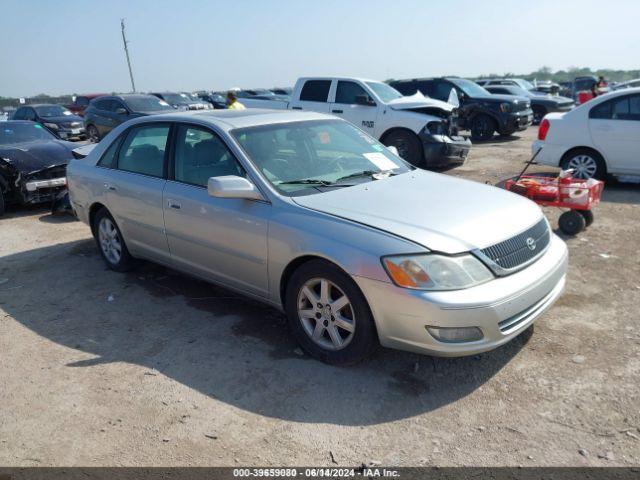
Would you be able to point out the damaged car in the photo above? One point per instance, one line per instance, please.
(424, 131)
(33, 164)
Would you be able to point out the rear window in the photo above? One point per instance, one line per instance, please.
(315, 91)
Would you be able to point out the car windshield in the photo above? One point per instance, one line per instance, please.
(11, 133)
(384, 91)
(176, 98)
(524, 84)
(513, 90)
(52, 111)
(303, 158)
(470, 88)
(147, 104)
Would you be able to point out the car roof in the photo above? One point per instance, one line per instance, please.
(232, 119)
(42, 105)
(364, 80)
(17, 121)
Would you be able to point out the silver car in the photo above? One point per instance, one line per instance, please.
(307, 213)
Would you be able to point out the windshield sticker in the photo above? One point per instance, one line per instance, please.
(162, 102)
(378, 147)
(381, 161)
(38, 125)
(324, 137)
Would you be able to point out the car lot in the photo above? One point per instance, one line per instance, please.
(155, 368)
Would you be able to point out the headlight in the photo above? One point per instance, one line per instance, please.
(505, 107)
(436, 272)
(436, 128)
(53, 126)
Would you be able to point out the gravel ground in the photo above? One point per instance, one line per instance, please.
(154, 368)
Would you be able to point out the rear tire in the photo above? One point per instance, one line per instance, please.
(571, 222)
(328, 314)
(586, 164)
(111, 243)
(408, 145)
(482, 128)
(588, 217)
(93, 134)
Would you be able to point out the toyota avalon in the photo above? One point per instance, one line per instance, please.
(307, 213)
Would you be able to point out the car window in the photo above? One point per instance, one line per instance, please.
(143, 150)
(200, 155)
(426, 87)
(405, 88)
(19, 114)
(293, 156)
(108, 159)
(101, 104)
(625, 108)
(441, 90)
(82, 101)
(348, 91)
(315, 91)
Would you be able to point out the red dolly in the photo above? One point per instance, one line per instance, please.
(564, 191)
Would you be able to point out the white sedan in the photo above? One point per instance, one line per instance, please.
(598, 138)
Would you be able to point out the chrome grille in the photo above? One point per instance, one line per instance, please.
(516, 251)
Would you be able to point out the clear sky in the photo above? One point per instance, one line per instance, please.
(69, 46)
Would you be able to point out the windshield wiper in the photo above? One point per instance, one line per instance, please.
(306, 181)
(366, 173)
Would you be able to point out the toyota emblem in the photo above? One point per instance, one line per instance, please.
(531, 243)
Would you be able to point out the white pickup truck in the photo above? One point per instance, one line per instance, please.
(423, 130)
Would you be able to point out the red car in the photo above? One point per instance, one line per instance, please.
(82, 101)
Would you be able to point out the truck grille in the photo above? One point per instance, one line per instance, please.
(521, 249)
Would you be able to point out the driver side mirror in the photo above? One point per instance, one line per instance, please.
(232, 186)
(365, 100)
(122, 111)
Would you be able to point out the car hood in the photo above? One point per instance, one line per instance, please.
(62, 119)
(418, 100)
(439, 212)
(34, 156)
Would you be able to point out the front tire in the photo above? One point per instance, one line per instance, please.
(93, 134)
(586, 164)
(329, 315)
(482, 128)
(408, 145)
(111, 243)
(538, 114)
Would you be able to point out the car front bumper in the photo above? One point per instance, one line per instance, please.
(502, 308)
(443, 150)
(518, 121)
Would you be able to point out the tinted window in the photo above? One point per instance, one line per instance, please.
(438, 89)
(19, 114)
(426, 87)
(499, 90)
(200, 154)
(143, 150)
(108, 159)
(101, 104)
(405, 88)
(348, 91)
(626, 108)
(82, 101)
(147, 103)
(315, 91)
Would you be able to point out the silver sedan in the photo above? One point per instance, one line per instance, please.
(309, 214)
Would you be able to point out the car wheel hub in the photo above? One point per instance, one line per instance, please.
(109, 241)
(326, 314)
(583, 166)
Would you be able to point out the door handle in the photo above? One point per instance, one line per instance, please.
(108, 186)
(173, 204)
(337, 111)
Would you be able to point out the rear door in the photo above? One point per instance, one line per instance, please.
(101, 117)
(223, 239)
(314, 96)
(345, 106)
(615, 130)
(134, 188)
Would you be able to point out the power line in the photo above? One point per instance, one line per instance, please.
(126, 51)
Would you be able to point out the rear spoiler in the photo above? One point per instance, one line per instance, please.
(83, 151)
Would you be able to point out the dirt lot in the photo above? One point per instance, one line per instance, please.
(154, 368)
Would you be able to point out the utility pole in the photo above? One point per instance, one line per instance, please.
(126, 51)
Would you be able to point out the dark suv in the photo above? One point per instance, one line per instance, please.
(105, 113)
(480, 112)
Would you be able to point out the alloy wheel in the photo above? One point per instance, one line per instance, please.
(326, 314)
(110, 241)
(583, 166)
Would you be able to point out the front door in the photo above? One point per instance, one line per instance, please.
(223, 239)
(615, 131)
(346, 106)
(134, 190)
